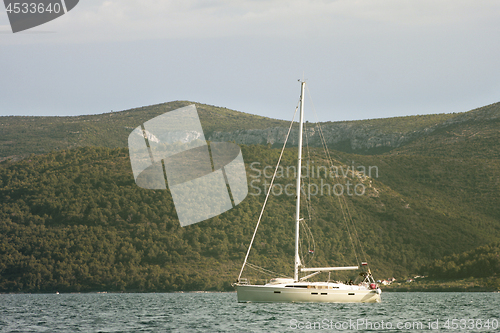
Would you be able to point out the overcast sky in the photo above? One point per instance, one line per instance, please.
(361, 58)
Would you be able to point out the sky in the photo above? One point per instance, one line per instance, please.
(361, 59)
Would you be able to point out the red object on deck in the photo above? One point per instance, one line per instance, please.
(373, 286)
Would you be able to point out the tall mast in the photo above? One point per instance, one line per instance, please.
(299, 172)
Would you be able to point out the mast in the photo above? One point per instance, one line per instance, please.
(299, 172)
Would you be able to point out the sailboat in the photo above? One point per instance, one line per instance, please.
(298, 289)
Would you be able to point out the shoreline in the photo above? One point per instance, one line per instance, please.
(463, 285)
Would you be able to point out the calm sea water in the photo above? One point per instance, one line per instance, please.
(219, 312)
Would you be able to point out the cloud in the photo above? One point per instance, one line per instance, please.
(396, 56)
(115, 20)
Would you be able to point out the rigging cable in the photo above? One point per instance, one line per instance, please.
(265, 271)
(268, 192)
(305, 226)
(348, 217)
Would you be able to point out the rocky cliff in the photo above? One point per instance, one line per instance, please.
(359, 136)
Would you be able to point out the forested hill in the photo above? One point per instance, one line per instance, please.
(482, 262)
(21, 136)
(74, 220)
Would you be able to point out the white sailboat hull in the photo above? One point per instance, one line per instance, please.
(280, 293)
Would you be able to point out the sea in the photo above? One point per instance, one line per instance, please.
(220, 312)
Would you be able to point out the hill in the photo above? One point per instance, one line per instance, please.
(425, 134)
(74, 220)
(21, 136)
(464, 133)
(481, 262)
(474, 270)
(473, 134)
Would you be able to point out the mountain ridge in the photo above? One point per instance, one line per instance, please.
(21, 135)
(364, 136)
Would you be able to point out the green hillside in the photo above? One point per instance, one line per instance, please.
(467, 134)
(21, 136)
(482, 262)
(474, 270)
(74, 220)
(473, 134)
(404, 124)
